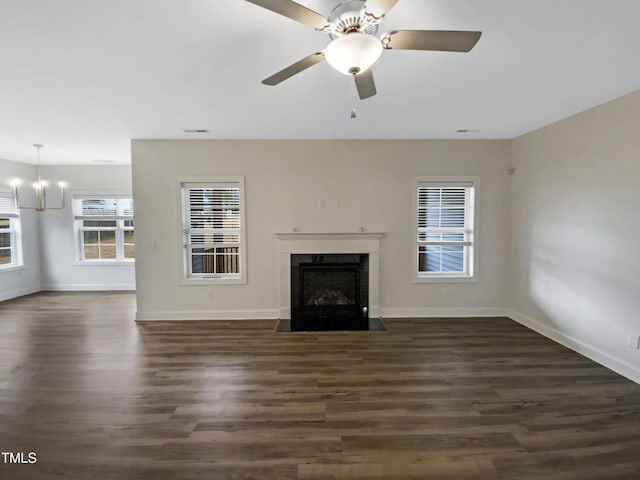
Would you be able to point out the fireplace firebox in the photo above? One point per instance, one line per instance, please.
(329, 292)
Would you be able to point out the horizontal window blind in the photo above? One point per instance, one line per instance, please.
(444, 227)
(104, 209)
(212, 227)
(8, 207)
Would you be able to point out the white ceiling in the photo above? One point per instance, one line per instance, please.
(83, 77)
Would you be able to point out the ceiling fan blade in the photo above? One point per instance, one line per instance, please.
(294, 11)
(297, 67)
(441, 40)
(365, 84)
(379, 8)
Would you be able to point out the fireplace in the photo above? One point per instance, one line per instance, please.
(329, 292)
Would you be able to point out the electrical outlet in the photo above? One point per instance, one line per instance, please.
(634, 341)
(320, 203)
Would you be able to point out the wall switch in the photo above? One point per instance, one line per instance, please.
(210, 295)
(339, 203)
(634, 341)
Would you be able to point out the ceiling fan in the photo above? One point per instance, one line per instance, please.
(354, 48)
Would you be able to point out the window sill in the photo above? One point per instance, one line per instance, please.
(11, 268)
(445, 279)
(104, 263)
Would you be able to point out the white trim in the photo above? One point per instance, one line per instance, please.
(10, 267)
(104, 263)
(181, 315)
(18, 293)
(234, 180)
(454, 181)
(75, 287)
(603, 358)
(427, 312)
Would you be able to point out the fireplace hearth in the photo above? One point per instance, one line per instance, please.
(329, 292)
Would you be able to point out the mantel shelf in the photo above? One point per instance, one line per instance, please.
(328, 235)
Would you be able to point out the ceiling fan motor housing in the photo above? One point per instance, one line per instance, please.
(347, 18)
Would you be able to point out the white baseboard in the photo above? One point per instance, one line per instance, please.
(442, 312)
(617, 365)
(75, 287)
(18, 293)
(177, 315)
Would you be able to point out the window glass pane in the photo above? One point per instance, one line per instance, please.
(129, 251)
(129, 248)
(128, 223)
(5, 256)
(452, 261)
(5, 223)
(108, 251)
(91, 253)
(90, 238)
(203, 263)
(107, 236)
(5, 239)
(227, 260)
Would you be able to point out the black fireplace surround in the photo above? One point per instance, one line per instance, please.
(329, 292)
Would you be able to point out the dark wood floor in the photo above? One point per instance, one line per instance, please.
(97, 396)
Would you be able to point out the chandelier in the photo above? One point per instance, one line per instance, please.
(40, 188)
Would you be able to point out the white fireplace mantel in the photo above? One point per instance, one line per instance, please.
(328, 242)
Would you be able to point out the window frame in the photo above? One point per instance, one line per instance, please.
(9, 211)
(186, 278)
(471, 273)
(120, 228)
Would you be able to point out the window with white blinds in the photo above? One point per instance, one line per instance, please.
(213, 230)
(104, 228)
(10, 251)
(444, 228)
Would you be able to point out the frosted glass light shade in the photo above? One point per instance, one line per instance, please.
(353, 53)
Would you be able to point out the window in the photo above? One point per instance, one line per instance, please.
(444, 228)
(213, 230)
(10, 251)
(104, 228)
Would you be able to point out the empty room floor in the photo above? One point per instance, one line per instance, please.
(96, 396)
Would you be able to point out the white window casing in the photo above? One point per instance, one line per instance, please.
(104, 229)
(444, 229)
(213, 235)
(10, 232)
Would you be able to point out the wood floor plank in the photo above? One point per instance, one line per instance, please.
(98, 396)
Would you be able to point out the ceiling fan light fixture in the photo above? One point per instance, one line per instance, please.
(353, 53)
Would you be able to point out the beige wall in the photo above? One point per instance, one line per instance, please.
(575, 230)
(284, 181)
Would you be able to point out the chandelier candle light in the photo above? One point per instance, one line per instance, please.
(40, 189)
